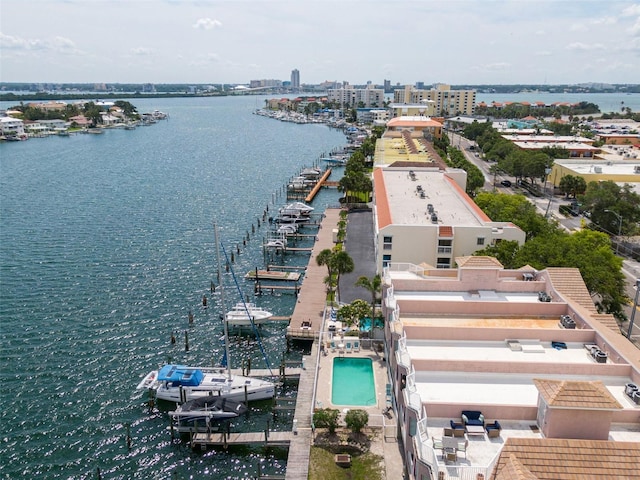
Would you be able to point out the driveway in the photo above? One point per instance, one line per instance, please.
(359, 245)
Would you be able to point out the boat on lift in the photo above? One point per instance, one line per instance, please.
(296, 208)
(246, 314)
(201, 411)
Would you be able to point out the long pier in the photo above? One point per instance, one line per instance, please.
(316, 188)
(224, 439)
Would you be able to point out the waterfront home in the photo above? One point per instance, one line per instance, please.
(11, 127)
(477, 355)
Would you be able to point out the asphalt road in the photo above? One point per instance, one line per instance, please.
(359, 245)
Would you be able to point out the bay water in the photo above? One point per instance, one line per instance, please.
(106, 245)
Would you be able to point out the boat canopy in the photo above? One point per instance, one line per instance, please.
(181, 375)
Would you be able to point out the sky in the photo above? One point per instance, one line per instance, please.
(235, 41)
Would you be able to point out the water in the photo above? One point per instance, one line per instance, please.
(352, 383)
(106, 244)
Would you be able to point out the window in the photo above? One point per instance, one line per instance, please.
(413, 426)
(480, 241)
(387, 243)
(443, 262)
(386, 260)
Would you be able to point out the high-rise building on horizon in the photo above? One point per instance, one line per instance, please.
(295, 79)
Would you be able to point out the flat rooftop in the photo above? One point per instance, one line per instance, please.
(625, 167)
(408, 208)
(474, 296)
(491, 389)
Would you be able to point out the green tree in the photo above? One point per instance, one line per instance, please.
(326, 418)
(506, 252)
(572, 185)
(356, 420)
(603, 198)
(341, 263)
(588, 251)
(517, 209)
(324, 258)
(374, 286)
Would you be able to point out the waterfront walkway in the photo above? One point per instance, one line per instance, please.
(310, 307)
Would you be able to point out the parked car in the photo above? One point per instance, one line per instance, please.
(505, 183)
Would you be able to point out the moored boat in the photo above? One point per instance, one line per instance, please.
(180, 383)
(246, 314)
(199, 412)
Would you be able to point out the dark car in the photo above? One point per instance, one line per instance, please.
(505, 183)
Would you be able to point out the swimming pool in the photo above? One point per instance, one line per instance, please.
(365, 324)
(352, 382)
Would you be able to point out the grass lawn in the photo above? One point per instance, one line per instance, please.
(363, 467)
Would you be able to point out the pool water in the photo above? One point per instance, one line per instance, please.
(352, 382)
(365, 324)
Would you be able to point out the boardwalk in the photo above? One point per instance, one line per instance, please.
(312, 295)
(310, 307)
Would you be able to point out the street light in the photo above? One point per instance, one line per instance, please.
(619, 227)
(635, 307)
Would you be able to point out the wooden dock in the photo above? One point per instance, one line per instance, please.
(260, 289)
(224, 439)
(314, 191)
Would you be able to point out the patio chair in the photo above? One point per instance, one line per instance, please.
(462, 447)
(348, 347)
(356, 346)
(448, 432)
(437, 443)
(333, 346)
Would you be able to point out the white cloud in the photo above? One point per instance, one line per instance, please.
(207, 24)
(579, 46)
(141, 51)
(543, 53)
(56, 44)
(635, 29)
(604, 21)
(578, 27)
(631, 10)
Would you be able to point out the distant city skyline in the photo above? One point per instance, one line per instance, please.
(215, 41)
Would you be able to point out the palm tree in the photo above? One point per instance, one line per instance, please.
(324, 258)
(341, 263)
(373, 285)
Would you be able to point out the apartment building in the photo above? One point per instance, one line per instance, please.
(446, 101)
(353, 97)
(526, 348)
(422, 215)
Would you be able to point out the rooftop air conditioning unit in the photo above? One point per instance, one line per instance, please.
(597, 169)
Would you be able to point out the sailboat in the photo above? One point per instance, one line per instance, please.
(180, 383)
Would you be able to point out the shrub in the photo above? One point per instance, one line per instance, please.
(356, 420)
(326, 418)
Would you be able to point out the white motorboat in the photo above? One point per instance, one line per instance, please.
(287, 229)
(297, 207)
(179, 383)
(244, 314)
(197, 414)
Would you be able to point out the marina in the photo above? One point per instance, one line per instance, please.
(108, 281)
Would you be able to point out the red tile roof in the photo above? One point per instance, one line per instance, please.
(382, 203)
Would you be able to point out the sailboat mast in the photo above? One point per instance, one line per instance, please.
(224, 316)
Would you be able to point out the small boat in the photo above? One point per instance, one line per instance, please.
(334, 160)
(291, 217)
(297, 207)
(245, 314)
(272, 275)
(287, 229)
(202, 410)
(179, 384)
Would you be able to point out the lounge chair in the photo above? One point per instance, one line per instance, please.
(356, 346)
(348, 347)
(333, 346)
